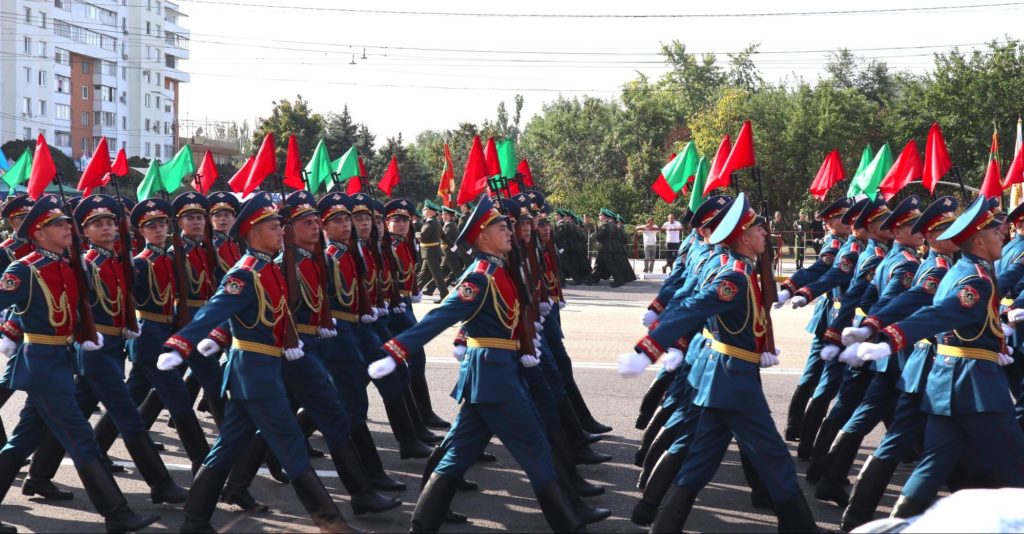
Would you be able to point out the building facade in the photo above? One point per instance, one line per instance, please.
(79, 70)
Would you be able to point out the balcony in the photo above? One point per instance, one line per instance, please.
(177, 45)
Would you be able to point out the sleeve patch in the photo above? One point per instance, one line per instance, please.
(930, 284)
(9, 282)
(907, 279)
(828, 259)
(467, 291)
(234, 285)
(845, 265)
(968, 296)
(726, 291)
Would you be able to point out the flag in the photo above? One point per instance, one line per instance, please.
(99, 165)
(865, 159)
(390, 178)
(830, 173)
(1015, 174)
(318, 170)
(207, 173)
(699, 179)
(507, 158)
(661, 187)
(346, 166)
(120, 166)
(237, 182)
(524, 169)
(174, 171)
(264, 165)
(355, 186)
(444, 188)
(474, 178)
(872, 175)
(491, 163)
(43, 169)
(292, 166)
(905, 169)
(4, 166)
(742, 154)
(717, 178)
(936, 158)
(20, 171)
(992, 185)
(152, 184)
(679, 170)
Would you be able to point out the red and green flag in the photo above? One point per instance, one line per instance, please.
(151, 185)
(661, 187)
(318, 170)
(869, 180)
(992, 185)
(865, 159)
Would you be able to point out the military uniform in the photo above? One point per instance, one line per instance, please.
(449, 254)
(12, 249)
(608, 251)
(430, 252)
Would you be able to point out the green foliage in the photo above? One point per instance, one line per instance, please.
(65, 166)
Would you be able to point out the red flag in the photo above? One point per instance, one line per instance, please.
(120, 167)
(717, 178)
(905, 169)
(491, 163)
(264, 165)
(237, 182)
(936, 158)
(661, 187)
(207, 173)
(355, 184)
(1015, 174)
(98, 166)
(830, 173)
(742, 154)
(992, 186)
(43, 169)
(444, 189)
(390, 178)
(292, 166)
(474, 179)
(524, 169)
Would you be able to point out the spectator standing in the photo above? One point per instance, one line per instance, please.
(650, 232)
(778, 227)
(673, 235)
(800, 229)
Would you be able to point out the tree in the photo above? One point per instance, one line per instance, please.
(288, 118)
(65, 166)
(340, 132)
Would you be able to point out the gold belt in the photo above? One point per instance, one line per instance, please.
(345, 316)
(192, 303)
(1006, 302)
(736, 352)
(108, 330)
(47, 339)
(260, 348)
(837, 304)
(707, 333)
(309, 330)
(405, 293)
(430, 244)
(860, 311)
(155, 317)
(492, 343)
(965, 352)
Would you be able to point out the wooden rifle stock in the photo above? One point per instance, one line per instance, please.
(362, 292)
(394, 267)
(378, 261)
(290, 273)
(181, 281)
(320, 262)
(768, 293)
(125, 257)
(86, 328)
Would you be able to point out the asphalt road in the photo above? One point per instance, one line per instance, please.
(599, 323)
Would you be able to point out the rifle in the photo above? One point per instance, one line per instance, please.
(291, 335)
(516, 265)
(769, 293)
(362, 291)
(211, 252)
(85, 329)
(320, 262)
(375, 249)
(181, 279)
(125, 257)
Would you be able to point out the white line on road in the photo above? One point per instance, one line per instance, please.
(610, 366)
(184, 467)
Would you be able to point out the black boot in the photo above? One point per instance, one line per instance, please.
(433, 504)
(907, 507)
(582, 411)
(665, 471)
(817, 409)
(162, 488)
(364, 498)
(759, 497)
(653, 398)
(322, 509)
(401, 426)
(665, 438)
(105, 432)
(563, 454)
(867, 492)
(588, 514)
(193, 440)
(308, 426)
(486, 458)
(558, 509)
(45, 462)
(582, 451)
(674, 510)
(819, 454)
(840, 459)
(421, 394)
(797, 406)
(661, 416)
(274, 466)
(150, 408)
(422, 432)
(379, 479)
(428, 471)
(10, 465)
(108, 500)
(795, 516)
(202, 499)
(236, 489)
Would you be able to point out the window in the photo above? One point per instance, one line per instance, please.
(170, 61)
(92, 11)
(158, 79)
(107, 93)
(124, 73)
(85, 118)
(124, 145)
(28, 45)
(157, 106)
(86, 66)
(108, 68)
(61, 56)
(147, 28)
(156, 149)
(42, 20)
(42, 108)
(85, 92)
(63, 112)
(63, 84)
(146, 152)
(62, 138)
(28, 75)
(147, 125)
(65, 5)
(41, 49)
(85, 144)
(145, 76)
(44, 78)
(124, 122)
(27, 133)
(149, 52)
(107, 119)
(158, 7)
(28, 15)
(26, 107)
(147, 100)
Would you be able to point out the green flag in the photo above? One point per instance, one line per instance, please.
(869, 180)
(699, 179)
(346, 166)
(19, 172)
(865, 160)
(678, 171)
(318, 170)
(151, 184)
(507, 158)
(174, 171)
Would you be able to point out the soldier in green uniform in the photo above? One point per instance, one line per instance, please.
(429, 237)
(452, 267)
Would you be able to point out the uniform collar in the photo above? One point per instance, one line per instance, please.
(737, 256)
(933, 254)
(490, 258)
(971, 258)
(155, 248)
(339, 245)
(262, 256)
(188, 240)
(303, 252)
(50, 255)
(221, 235)
(102, 251)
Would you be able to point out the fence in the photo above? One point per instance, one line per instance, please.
(793, 249)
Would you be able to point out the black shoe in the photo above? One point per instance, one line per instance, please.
(318, 503)
(349, 467)
(454, 518)
(382, 482)
(644, 513)
(587, 456)
(110, 465)
(379, 479)
(434, 421)
(162, 488)
(486, 457)
(244, 500)
(867, 492)
(594, 427)
(795, 516)
(276, 471)
(45, 489)
(168, 492)
(202, 499)
(792, 434)
(429, 438)
(468, 485)
(583, 487)
(413, 449)
(108, 500)
(592, 438)
(314, 452)
(558, 509)
(591, 514)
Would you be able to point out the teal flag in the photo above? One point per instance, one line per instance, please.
(318, 170)
(869, 180)
(865, 159)
(20, 171)
(174, 171)
(151, 185)
(346, 166)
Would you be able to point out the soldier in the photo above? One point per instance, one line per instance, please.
(253, 298)
(494, 395)
(429, 238)
(12, 249)
(223, 209)
(966, 395)
(449, 236)
(43, 290)
(607, 264)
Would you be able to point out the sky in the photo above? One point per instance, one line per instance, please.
(414, 71)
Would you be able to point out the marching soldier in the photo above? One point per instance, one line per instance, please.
(429, 238)
(223, 209)
(607, 264)
(449, 238)
(12, 249)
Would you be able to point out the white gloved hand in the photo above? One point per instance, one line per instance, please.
(649, 317)
(382, 367)
(7, 346)
(562, 304)
(294, 353)
(1015, 316)
(459, 352)
(329, 332)
(1007, 329)
(131, 334)
(368, 318)
(529, 360)
(673, 360)
(873, 351)
(770, 359)
(454, 248)
(403, 307)
(849, 356)
(853, 335)
(397, 310)
(208, 347)
(633, 364)
(829, 353)
(417, 298)
(1004, 360)
(538, 326)
(783, 296)
(169, 360)
(90, 346)
(798, 301)
(544, 307)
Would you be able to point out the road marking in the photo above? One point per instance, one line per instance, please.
(612, 366)
(184, 467)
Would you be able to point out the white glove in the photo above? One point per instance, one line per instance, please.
(770, 359)
(402, 307)
(873, 351)
(417, 298)
(783, 296)
(633, 364)
(562, 304)
(380, 312)
(90, 346)
(382, 367)
(538, 326)
(673, 360)
(544, 307)
(369, 317)
(856, 335)
(459, 352)
(529, 360)
(649, 317)
(1007, 330)
(131, 334)
(397, 310)
(295, 353)
(849, 356)
(1004, 360)
(799, 301)
(829, 353)
(208, 347)
(454, 248)
(1015, 316)
(169, 360)
(7, 346)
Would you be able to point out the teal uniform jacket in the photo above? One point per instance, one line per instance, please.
(677, 276)
(857, 295)
(964, 318)
(823, 264)
(834, 283)
(894, 276)
(1010, 270)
